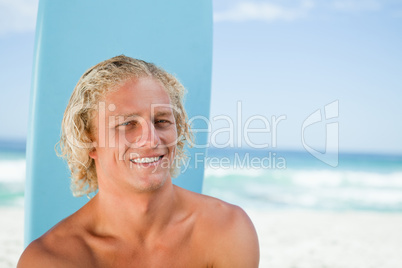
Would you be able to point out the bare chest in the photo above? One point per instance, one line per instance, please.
(172, 251)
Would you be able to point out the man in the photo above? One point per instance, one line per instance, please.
(123, 134)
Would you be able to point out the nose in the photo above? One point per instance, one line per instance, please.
(149, 136)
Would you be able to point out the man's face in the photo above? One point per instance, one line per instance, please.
(135, 135)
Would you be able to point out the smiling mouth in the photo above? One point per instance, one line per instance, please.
(146, 160)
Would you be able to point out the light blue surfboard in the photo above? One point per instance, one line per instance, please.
(72, 36)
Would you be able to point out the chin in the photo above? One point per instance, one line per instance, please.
(150, 185)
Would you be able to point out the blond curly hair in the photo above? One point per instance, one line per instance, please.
(76, 131)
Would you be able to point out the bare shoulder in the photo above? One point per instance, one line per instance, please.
(227, 231)
(236, 238)
(218, 214)
(38, 254)
(61, 246)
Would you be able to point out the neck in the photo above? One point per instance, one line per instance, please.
(140, 214)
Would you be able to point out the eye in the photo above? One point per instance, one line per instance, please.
(162, 123)
(128, 123)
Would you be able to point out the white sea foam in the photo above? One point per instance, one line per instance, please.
(12, 171)
(324, 189)
(392, 180)
(223, 172)
(328, 178)
(315, 178)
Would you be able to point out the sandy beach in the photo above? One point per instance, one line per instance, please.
(311, 239)
(11, 235)
(288, 238)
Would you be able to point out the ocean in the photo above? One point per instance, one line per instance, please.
(261, 179)
(306, 213)
(364, 182)
(12, 177)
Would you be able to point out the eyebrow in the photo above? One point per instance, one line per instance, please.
(126, 115)
(163, 113)
(159, 113)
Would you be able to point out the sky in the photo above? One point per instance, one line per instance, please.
(321, 74)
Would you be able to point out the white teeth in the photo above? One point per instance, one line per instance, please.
(146, 159)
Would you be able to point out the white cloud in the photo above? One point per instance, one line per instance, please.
(356, 5)
(246, 11)
(17, 16)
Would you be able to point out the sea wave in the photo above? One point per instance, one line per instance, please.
(316, 189)
(12, 178)
(229, 171)
(12, 171)
(345, 178)
(339, 189)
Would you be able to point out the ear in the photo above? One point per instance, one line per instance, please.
(93, 153)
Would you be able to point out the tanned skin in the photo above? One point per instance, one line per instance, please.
(139, 218)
